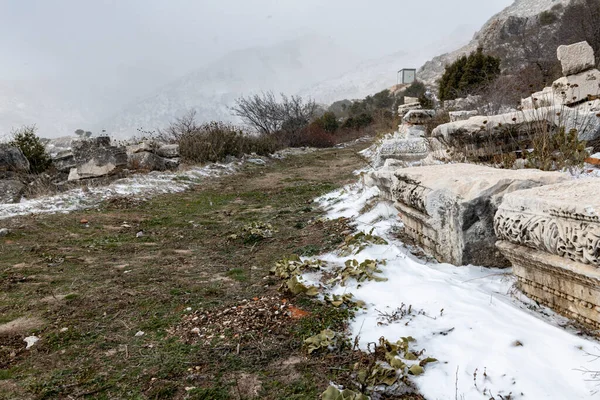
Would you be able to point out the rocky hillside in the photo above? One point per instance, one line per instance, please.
(506, 34)
(212, 90)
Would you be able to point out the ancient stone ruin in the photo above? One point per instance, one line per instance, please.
(571, 102)
(449, 209)
(551, 235)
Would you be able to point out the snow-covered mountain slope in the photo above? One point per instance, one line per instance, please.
(376, 75)
(490, 35)
(212, 90)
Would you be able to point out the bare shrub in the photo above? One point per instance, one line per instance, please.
(215, 141)
(182, 126)
(266, 115)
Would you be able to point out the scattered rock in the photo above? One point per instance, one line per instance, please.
(139, 333)
(11, 191)
(4, 232)
(31, 340)
(146, 161)
(96, 157)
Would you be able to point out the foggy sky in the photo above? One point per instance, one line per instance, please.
(166, 38)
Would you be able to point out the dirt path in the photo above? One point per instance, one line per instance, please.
(138, 303)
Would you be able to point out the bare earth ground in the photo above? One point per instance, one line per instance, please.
(120, 316)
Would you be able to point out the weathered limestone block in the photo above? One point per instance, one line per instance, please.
(566, 91)
(12, 159)
(576, 58)
(418, 117)
(406, 107)
(96, 157)
(551, 235)
(449, 209)
(483, 136)
(462, 115)
(410, 149)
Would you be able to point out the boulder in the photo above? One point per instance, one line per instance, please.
(146, 161)
(97, 157)
(576, 58)
(551, 235)
(449, 209)
(168, 151)
(418, 117)
(11, 191)
(12, 159)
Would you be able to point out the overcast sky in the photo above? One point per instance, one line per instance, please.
(45, 38)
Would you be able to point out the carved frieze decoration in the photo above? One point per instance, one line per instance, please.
(574, 238)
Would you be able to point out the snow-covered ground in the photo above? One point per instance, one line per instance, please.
(142, 186)
(491, 342)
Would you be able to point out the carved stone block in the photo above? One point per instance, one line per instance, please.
(449, 209)
(551, 235)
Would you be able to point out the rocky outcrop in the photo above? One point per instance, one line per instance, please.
(12, 159)
(551, 235)
(11, 191)
(96, 157)
(502, 34)
(449, 209)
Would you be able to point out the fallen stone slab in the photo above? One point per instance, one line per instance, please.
(551, 235)
(576, 58)
(449, 209)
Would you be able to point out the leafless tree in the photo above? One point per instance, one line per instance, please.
(265, 114)
(184, 125)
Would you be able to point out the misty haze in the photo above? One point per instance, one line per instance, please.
(331, 200)
(120, 66)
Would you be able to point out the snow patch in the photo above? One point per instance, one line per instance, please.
(490, 340)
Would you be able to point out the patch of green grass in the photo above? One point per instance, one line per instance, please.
(238, 274)
(5, 374)
(322, 316)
